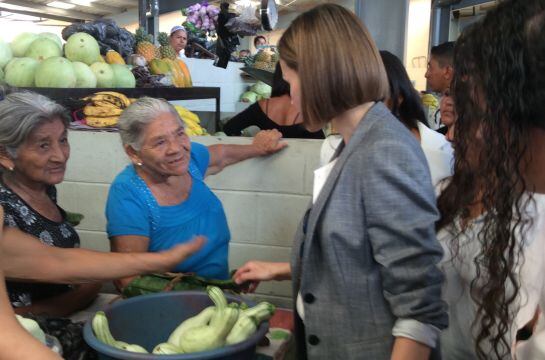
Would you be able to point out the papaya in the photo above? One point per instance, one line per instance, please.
(185, 71)
(113, 57)
(178, 78)
(159, 67)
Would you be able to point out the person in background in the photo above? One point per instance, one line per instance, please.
(492, 224)
(34, 151)
(274, 113)
(161, 199)
(178, 40)
(448, 115)
(404, 102)
(364, 261)
(260, 40)
(243, 54)
(24, 258)
(439, 75)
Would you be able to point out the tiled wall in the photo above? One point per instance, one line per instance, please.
(264, 198)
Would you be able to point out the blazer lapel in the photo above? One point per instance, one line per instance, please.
(373, 115)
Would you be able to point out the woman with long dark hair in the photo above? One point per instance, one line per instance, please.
(492, 210)
(405, 103)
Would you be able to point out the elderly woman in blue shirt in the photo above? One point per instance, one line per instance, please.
(161, 200)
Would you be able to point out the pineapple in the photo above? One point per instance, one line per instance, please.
(144, 45)
(166, 50)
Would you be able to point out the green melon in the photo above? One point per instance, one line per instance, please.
(85, 77)
(5, 54)
(43, 48)
(55, 72)
(82, 47)
(21, 43)
(20, 72)
(52, 36)
(104, 73)
(124, 78)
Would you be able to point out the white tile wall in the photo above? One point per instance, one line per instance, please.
(264, 198)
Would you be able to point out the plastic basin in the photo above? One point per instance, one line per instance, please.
(148, 320)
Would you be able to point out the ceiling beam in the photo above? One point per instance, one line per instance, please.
(39, 14)
(106, 9)
(124, 3)
(49, 10)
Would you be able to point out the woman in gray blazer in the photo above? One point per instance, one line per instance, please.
(364, 261)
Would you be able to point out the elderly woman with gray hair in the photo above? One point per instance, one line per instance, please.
(161, 200)
(34, 150)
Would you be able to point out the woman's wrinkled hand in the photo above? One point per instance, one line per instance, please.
(268, 142)
(179, 253)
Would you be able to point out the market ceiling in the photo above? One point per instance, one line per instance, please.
(84, 10)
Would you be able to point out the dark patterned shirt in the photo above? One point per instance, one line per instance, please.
(19, 214)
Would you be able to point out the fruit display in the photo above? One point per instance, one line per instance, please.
(43, 48)
(84, 48)
(85, 77)
(20, 72)
(192, 122)
(203, 15)
(5, 54)
(103, 108)
(113, 57)
(55, 72)
(144, 78)
(214, 327)
(20, 44)
(145, 46)
(108, 35)
(166, 50)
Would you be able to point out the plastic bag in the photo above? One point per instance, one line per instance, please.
(246, 23)
(108, 35)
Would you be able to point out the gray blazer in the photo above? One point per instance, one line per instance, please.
(365, 255)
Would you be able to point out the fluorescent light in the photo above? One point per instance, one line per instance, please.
(82, 2)
(61, 5)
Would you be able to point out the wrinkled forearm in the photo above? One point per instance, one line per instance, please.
(223, 155)
(64, 304)
(25, 258)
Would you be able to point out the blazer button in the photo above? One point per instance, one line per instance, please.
(313, 340)
(309, 298)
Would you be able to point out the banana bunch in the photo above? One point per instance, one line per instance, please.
(102, 332)
(104, 108)
(192, 122)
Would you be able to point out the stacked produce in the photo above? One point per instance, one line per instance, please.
(104, 108)
(97, 56)
(203, 16)
(36, 60)
(214, 327)
(192, 122)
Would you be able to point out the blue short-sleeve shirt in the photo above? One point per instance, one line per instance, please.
(131, 209)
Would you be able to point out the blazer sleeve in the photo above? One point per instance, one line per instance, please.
(400, 209)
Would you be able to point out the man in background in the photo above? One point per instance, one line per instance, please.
(439, 76)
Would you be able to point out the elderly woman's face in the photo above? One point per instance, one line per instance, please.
(42, 157)
(165, 147)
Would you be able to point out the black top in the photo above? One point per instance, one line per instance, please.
(18, 214)
(254, 116)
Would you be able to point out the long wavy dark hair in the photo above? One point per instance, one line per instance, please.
(499, 96)
(410, 110)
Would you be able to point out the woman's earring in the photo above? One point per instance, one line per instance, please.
(10, 168)
(139, 163)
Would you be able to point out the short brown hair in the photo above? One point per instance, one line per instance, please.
(337, 61)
